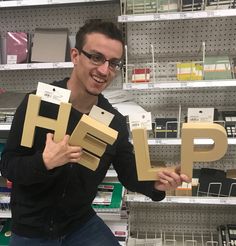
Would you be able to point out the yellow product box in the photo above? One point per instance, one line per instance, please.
(189, 71)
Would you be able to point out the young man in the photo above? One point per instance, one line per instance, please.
(52, 194)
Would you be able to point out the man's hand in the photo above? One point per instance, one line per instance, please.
(170, 180)
(58, 154)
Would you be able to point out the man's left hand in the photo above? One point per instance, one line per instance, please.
(170, 180)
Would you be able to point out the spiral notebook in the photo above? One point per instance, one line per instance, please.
(109, 197)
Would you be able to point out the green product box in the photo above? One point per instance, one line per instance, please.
(217, 67)
(5, 233)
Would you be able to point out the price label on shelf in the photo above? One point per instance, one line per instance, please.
(29, 66)
(200, 14)
(183, 15)
(2, 67)
(156, 16)
(183, 84)
(192, 200)
(127, 86)
(123, 18)
(151, 86)
(158, 141)
(57, 65)
(210, 14)
(19, 3)
(168, 199)
(223, 200)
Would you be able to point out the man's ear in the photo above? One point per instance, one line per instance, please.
(74, 54)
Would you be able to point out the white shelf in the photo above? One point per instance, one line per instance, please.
(177, 141)
(5, 214)
(156, 141)
(185, 199)
(177, 15)
(5, 127)
(180, 85)
(22, 3)
(30, 66)
(111, 174)
(110, 216)
(104, 216)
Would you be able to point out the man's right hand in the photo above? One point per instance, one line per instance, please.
(58, 154)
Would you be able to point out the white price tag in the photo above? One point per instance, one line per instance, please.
(183, 15)
(124, 18)
(128, 85)
(210, 14)
(141, 120)
(101, 115)
(156, 16)
(2, 67)
(183, 84)
(158, 141)
(52, 94)
(223, 200)
(168, 199)
(56, 65)
(19, 3)
(151, 86)
(11, 59)
(30, 65)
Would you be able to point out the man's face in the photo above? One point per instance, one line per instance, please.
(93, 79)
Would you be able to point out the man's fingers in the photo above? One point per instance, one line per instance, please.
(49, 137)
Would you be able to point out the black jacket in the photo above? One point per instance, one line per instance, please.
(52, 203)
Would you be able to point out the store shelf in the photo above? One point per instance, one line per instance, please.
(30, 66)
(177, 141)
(21, 3)
(185, 199)
(181, 85)
(177, 15)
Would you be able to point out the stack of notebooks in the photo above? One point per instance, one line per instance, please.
(5, 193)
(109, 197)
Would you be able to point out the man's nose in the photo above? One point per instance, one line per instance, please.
(104, 68)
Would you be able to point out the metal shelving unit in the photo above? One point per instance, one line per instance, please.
(158, 41)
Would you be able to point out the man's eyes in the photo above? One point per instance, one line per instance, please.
(97, 57)
(115, 62)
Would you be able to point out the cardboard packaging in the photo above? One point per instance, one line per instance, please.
(49, 45)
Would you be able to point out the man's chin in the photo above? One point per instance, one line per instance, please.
(93, 93)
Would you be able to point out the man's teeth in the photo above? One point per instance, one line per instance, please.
(99, 80)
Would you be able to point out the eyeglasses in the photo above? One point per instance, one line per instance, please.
(99, 59)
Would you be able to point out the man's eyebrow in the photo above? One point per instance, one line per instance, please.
(99, 53)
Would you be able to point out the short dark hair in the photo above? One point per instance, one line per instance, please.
(106, 28)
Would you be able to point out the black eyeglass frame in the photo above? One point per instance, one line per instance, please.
(114, 64)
